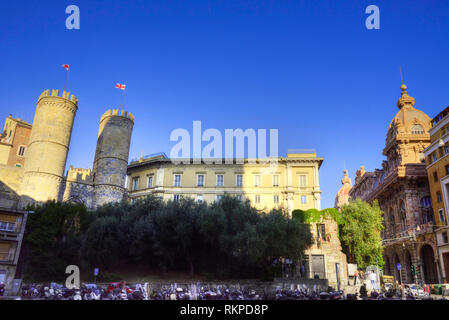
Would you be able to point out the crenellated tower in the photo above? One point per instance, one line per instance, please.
(48, 148)
(111, 156)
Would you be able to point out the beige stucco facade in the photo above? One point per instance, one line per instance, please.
(292, 182)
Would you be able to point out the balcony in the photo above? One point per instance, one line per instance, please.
(10, 233)
(9, 236)
(7, 258)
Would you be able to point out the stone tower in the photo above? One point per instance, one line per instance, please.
(111, 156)
(48, 147)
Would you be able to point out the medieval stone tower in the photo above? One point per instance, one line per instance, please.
(111, 156)
(48, 147)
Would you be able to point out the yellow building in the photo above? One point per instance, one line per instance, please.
(12, 229)
(291, 183)
(437, 161)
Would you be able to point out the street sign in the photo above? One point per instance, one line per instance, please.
(398, 266)
(96, 271)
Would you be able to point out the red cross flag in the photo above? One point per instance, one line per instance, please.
(120, 86)
(66, 66)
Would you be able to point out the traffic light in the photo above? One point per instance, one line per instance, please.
(413, 270)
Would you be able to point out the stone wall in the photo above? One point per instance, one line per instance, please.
(331, 249)
(10, 181)
(79, 186)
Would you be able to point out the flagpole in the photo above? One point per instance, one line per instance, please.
(66, 79)
(124, 92)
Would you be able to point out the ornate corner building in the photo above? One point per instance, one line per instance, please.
(401, 188)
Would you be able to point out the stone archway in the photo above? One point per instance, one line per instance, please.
(409, 277)
(429, 270)
(397, 274)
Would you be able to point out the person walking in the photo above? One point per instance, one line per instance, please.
(302, 270)
(356, 275)
(373, 279)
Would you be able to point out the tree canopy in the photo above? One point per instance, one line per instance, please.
(360, 229)
(228, 238)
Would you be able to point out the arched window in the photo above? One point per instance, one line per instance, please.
(402, 216)
(426, 210)
(417, 129)
(426, 202)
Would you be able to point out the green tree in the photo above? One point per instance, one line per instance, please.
(52, 239)
(359, 229)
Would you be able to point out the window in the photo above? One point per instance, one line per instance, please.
(276, 199)
(257, 198)
(445, 238)
(176, 197)
(21, 151)
(199, 198)
(303, 199)
(219, 180)
(447, 169)
(239, 180)
(177, 180)
(441, 216)
(438, 196)
(303, 181)
(219, 197)
(150, 182)
(446, 150)
(403, 216)
(276, 180)
(239, 197)
(434, 157)
(426, 202)
(135, 183)
(435, 176)
(200, 180)
(7, 226)
(321, 231)
(417, 129)
(257, 180)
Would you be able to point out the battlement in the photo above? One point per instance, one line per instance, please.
(115, 112)
(55, 93)
(80, 175)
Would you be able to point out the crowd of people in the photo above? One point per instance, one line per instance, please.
(369, 282)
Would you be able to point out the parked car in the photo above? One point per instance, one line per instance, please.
(416, 290)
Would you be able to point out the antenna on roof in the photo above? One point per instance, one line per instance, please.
(402, 77)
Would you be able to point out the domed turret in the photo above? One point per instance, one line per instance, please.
(408, 132)
(342, 197)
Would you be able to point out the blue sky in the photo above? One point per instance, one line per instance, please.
(308, 68)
